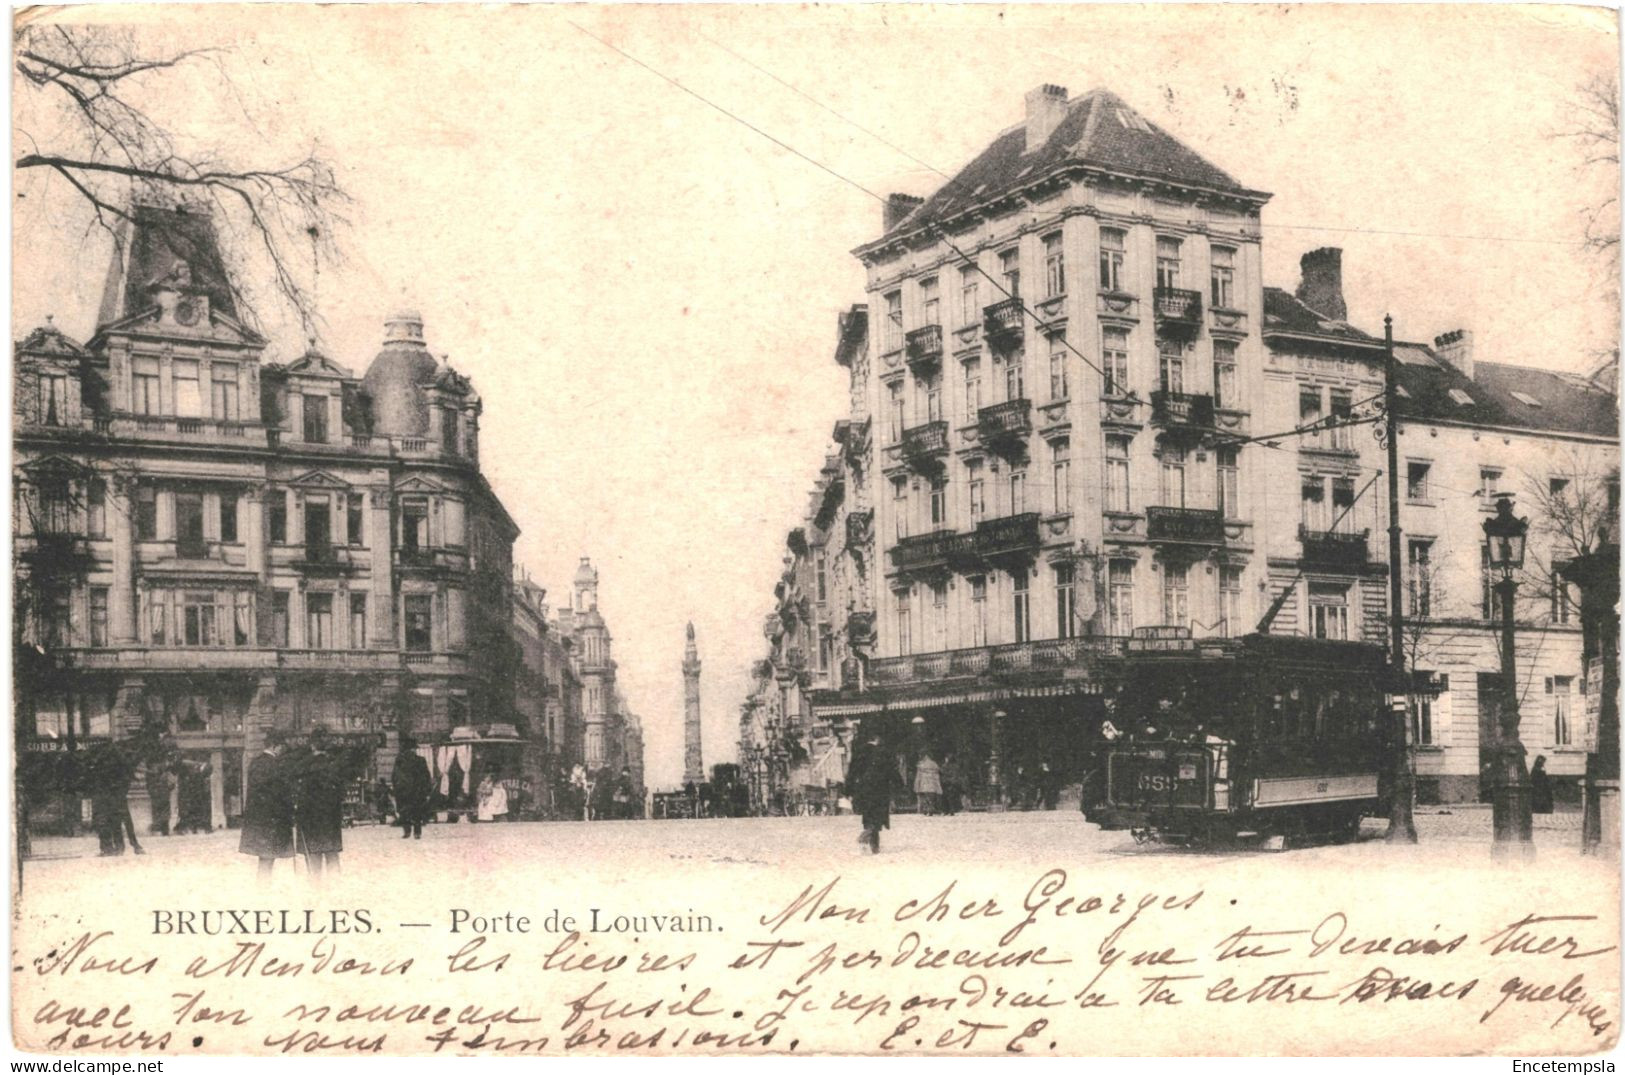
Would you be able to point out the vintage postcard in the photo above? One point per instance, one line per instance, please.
(857, 529)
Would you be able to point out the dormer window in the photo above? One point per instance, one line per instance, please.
(1461, 397)
(53, 399)
(315, 419)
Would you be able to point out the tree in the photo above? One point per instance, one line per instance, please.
(1574, 507)
(108, 142)
(1595, 132)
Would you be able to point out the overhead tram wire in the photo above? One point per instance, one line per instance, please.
(1025, 309)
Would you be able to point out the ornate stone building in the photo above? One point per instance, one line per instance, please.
(611, 735)
(215, 544)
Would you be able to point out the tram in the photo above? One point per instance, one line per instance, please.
(1265, 736)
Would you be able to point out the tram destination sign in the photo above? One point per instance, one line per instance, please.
(1161, 639)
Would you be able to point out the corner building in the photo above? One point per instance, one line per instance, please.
(215, 545)
(1032, 507)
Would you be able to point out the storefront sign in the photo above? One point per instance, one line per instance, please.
(1593, 703)
(1161, 639)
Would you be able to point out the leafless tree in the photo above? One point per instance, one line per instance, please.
(1595, 131)
(1572, 508)
(114, 148)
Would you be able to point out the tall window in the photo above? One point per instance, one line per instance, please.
(1421, 711)
(1111, 259)
(1176, 596)
(242, 617)
(223, 391)
(1224, 277)
(1489, 481)
(939, 503)
(1419, 569)
(1114, 350)
(1117, 487)
(930, 305)
(973, 387)
(970, 303)
(414, 523)
(1561, 689)
(978, 610)
(931, 391)
(279, 618)
(1343, 518)
(1328, 610)
(821, 575)
(1342, 408)
(158, 617)
(228, 518)
(1312, 498)
(53, 401)
(144, 386)
(318, 524)
(1060, 456)
(1018, 492)
(188, 394)
(1171, 362)
(276, 503)
(418, 620)
(98, 615)
(1416, 480)
(905, 643)
(1120, 598)
(96, 508)
(1173, 476)
(977, 491)
(315, 419)
(1054, 266)
(1065, 601)
(891, 332)
(1490, 597)
(1563, 604)
(1167, 262)
(1230, 620)
(146, 513)
(1015, 382)
(319, 621)
(1021, 605)
(899, 505)
(353, 519)
(1010, 271)
(55, 620)
(189, 526)
(451, 436)
(1228, 466)
(939, 616)
(197, 619)
(358, 621)
(1224, 374)
(1309, 411)
(894, 409)
(1057, 368)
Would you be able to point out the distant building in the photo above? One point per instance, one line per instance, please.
(611, 736)
(211, 545)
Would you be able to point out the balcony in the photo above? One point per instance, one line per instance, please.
(1181, 411)
(923, 348)
(1178, 309)
(191, 548)
(1005, 426)
(925, 446)
(860, 628)
(1006, 536)
(1331, 548)
(859, 528)
(1195, 526)
(324, 558)
(423, 559)
(1051, 655)
(53, 551)
(1003, 321)
(920, 551)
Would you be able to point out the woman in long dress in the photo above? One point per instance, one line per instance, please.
(492, 799)
(928, 785)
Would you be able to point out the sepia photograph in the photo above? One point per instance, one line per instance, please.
(840, 529)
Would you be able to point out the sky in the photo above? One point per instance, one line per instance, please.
(645, 290)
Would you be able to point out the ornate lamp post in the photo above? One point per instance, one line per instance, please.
(1504, 534)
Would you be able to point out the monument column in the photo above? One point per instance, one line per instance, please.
(693, 757)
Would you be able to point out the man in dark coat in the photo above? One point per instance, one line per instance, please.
(160, 787)
(319, 803)
(870, 779)
(1540, 787)
(268, 810)
(102, 785)
(413, 787)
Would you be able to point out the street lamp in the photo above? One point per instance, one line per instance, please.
(1504, 535)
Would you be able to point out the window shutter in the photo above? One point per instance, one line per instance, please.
(1548, 684)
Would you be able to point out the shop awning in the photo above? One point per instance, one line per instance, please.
(937, 700)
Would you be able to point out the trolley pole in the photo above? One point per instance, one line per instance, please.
(1402, 787)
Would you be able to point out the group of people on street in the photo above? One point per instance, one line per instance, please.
(596, 795)
(295, 802)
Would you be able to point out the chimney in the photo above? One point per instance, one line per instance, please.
(898, 206)
(1046, 108)
(1321, 286)
(1456, 348)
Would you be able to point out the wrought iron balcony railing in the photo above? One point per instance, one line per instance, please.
(1197, 525)
(1002, 320)
(1178, 307)
(1051, 654)
(924, 446)
(924, 346)
(1007, 534)
(1333, 548)
(1181, 410)
(1005, 424)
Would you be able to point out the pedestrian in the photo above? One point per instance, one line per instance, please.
(319, 803)
(268, 811)
(623, 794)
(160, 789)
(196, 811)
(412, 789)
(953, 784)
(1540, 787)
(123, 776)
(928, 785)
(871, 778)
(101, 782)
(579, 792)
(381, 801)
(454, 787)
(1049, 786)
(491, 800)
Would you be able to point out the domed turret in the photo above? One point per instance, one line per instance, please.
(396, 376)
(586, 586)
